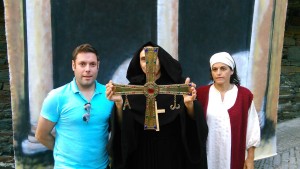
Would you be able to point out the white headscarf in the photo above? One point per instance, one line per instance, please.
(222, 57)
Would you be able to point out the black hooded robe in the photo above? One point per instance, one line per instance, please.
(181, 141)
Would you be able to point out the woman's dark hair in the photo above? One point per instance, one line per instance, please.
(234, 78)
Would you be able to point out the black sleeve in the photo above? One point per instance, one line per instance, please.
(194, 135)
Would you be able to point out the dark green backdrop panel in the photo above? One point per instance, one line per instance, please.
(115, 27)
(210, 26)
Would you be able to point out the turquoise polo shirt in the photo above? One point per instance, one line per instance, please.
(78, 144)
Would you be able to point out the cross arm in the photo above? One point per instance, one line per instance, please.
(127, 89)
(175, 89)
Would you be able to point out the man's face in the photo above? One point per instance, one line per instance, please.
(143, 63)
(85, 69)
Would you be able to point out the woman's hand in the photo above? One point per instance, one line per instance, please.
(249, 162)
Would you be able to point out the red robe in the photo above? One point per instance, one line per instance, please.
(238, 122)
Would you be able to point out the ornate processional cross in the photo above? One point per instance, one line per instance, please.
(151, 90)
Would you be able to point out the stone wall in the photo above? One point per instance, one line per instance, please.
(289, 95)
(6, 133)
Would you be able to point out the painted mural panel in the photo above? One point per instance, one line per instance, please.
(115, 28)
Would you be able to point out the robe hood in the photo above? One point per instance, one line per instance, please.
(170, 67)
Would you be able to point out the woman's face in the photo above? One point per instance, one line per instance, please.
(143, 63)
(221, 73)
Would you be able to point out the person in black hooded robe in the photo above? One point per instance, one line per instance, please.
(181, 141)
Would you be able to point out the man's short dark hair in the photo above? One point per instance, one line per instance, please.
(84, 48)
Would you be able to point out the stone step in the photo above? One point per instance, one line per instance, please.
(286, 96)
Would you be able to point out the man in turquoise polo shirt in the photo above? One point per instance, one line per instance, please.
(80, 113)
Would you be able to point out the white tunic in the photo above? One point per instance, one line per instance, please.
(219, 129)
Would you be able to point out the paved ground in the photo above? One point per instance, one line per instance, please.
(288, 147)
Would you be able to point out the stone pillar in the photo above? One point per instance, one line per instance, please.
(39, 47)
(15, 52)
(265, 52)
(167, 26)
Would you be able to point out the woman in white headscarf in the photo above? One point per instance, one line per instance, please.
(233, 122)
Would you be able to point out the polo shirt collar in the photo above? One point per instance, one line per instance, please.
(75, 89)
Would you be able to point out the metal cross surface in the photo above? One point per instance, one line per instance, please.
(151, 90)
